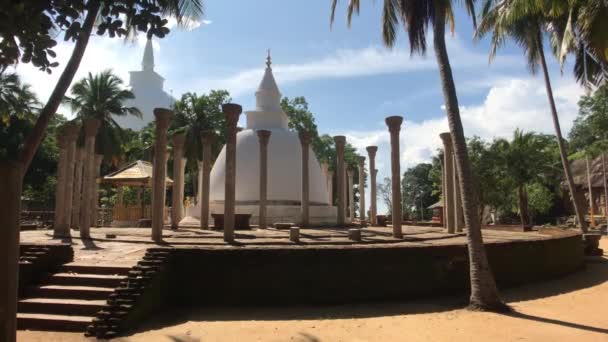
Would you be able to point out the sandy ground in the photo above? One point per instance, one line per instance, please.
(574, 308)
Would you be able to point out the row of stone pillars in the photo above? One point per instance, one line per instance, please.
(76, 193)
(453, 216)
(232, 113)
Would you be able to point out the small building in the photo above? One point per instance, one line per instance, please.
(581, 180)
(136, 174)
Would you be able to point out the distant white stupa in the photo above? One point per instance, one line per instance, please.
(147, 86)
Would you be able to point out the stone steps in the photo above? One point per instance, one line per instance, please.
(61, 306)
(70, 299)
(30, 321)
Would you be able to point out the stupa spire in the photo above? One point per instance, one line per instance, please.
(268, 96)
(147, 63)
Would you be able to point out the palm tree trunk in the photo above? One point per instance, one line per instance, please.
(33, 140)
(484, 293)
(560, 142)
(590, 192)
(605, 185)
(522, 200)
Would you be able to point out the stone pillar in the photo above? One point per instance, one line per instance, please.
(263, 137)
(140, 202)
(119, 196)
(330, 186)
(91, 125)
(324, 172)
(77, 193)
(590, 193)
(448, 169)
(11, 178)
(394, 126)
(361, 161)
(71, 131)
(60, 189)
(351, 194)
(340, 141)
(232, 112)
(95, 190)
(305, 138)
(345, 191)
(458, 212)
(178, 180)
(163, 118)
(207, 140)
(371, 153)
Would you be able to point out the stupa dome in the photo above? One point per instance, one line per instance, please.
(284, 156)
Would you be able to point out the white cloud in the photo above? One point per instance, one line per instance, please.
(516, 103)
(345, 63)
(187, 24)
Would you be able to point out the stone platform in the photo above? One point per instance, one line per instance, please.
(130, 244)
(263, 267)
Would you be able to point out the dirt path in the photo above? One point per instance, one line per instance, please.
(574, 308)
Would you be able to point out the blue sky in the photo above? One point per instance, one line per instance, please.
(349, 79)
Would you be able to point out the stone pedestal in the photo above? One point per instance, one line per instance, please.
(177, 196)
(354, 234)
(163, 118)
(394, 126)
(207, 140)
(77, 193)
(305, 138)
(448, 195)
(232, 112)
(371, 153)
(351, 195)
(263, 138)
(340, 143)
(95, 190)
(361, 164)
(294, 234)
(60, 189)
(11, 178)
(91, 125)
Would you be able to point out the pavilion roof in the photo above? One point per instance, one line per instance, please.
(579, 172)
(138, 173)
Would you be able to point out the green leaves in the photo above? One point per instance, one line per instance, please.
(28, 28)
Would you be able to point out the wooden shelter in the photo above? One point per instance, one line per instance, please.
(593, 177)
(136, 174)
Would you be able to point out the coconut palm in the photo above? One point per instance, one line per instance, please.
(102, 96)
(415, 16)
(16, 98)
(506, 19)
(523, 160)
(578, 27)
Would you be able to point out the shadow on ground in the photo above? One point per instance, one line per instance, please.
(594, 272)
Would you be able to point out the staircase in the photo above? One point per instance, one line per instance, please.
(69, 300)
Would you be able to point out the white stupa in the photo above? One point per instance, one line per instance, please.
(284, 166)
(147, 86)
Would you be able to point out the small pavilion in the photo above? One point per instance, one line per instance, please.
(136, 174)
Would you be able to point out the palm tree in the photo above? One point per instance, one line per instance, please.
(102, 96)
(415, 15)
(195, 114)
(523, 161)
(577, 27)
(505, 19)
(16, 98)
